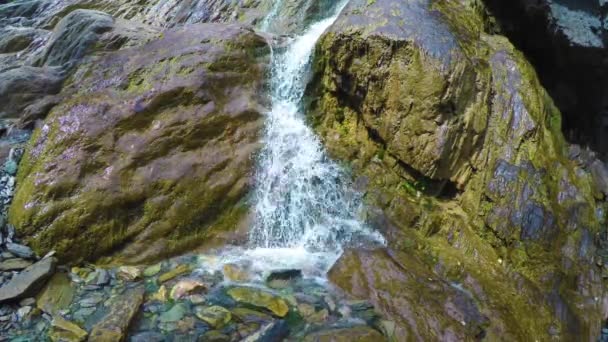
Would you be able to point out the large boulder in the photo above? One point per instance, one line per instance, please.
(151, 151)
(73, 36)
(22, 86)
(460, 154)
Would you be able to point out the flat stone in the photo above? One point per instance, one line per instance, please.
(152, 270)
(179, 270)
(114, 326)
(27, 301)
(186, 287)
(248, 316)
(29, 281)
(129, 273)
(215, 316)
(56, 295)
(92, 301)
(214, 336)
(20, 250)
(273, 331)
(63, 330)
(261, 299)
(236, 272)
(176, 313)
(14, 264)
(359, 334)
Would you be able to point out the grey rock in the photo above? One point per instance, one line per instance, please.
(21, 87)
(30, 280)
(599, 172)
(14, 264)
(20, 250)
(14, 38)
(73, 37)
(27, 301)
(103, 277)
(92, 301)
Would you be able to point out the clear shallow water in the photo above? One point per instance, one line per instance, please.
(305, 208)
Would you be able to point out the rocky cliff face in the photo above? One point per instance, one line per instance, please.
(460, 150)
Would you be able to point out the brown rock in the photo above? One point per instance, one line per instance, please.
(151, 145)
(405, 291)
(113, 327)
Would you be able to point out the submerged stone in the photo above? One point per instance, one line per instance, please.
(64, 330)
(261, 299)
(176, 313)
(175, 272)
(56, 295)
(152, 270)
(114, 326)
(129, 273)
(360, 334)
(215, 316)
(186, 287)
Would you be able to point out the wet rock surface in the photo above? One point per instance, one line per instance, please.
(567, 41)
(461, 156)
(175, 124)
(131, 310)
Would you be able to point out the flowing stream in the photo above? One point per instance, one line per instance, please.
(305, 208)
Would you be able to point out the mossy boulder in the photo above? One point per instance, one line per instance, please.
(150, 151)
(460, 154)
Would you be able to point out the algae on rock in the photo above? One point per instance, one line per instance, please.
(151, 145)
(460, 154)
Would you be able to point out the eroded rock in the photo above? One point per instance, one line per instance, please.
(176, 124)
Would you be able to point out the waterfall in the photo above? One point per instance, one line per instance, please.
(303, 200)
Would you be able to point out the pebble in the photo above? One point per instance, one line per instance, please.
(27, 301)
(103, 277)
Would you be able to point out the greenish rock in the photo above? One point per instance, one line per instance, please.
(460, 154)
(216, 316)
(260, 298)
(122, 311)
(359, 333)
(163, 155)
(214, 336)
(14, 264)
(66, 331)
(175, 272)
(57, 295)
(152, 270)
(176, 313)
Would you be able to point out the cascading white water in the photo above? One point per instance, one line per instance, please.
(303, 198)
(306, 210)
